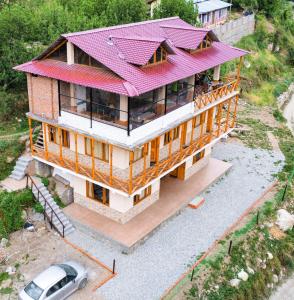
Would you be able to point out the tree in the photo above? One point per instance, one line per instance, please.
(125, 11)
(185, 9)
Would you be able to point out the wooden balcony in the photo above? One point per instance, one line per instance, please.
(224, 120)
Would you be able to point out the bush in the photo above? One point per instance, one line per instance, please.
(11, 207)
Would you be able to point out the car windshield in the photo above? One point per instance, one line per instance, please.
(33, 290)
(70, 271)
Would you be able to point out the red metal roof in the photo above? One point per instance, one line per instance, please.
(122, 48)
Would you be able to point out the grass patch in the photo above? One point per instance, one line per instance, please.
(38, 208)
(4, 276)
(11, 207)
(45, 181)
(58, 201)
(6, 291)
(9, 149)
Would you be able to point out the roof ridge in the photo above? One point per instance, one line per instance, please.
(185, 28)
(138, 38)
(117, 26)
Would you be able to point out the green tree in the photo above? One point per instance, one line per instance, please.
(185, 9)
(125, 11)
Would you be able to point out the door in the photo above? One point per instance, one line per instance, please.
(154, 150)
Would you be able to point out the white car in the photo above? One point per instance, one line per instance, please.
(56, 283)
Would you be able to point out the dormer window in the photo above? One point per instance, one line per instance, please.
(159, 56)
(59, 53)
(206, 43)
(83, 58)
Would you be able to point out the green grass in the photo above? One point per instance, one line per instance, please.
(58, 201)
(4, 276)
(9, 148)
(11, 207)
(6, 291)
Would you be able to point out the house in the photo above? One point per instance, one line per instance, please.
(120, 108)
(212, 12)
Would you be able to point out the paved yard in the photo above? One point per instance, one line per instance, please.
(285, 291)
(156, 265)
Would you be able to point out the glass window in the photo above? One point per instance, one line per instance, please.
(59, 54)
(55, 288)
(97, 192)
(71, 273)
(159, 56)
(138, 154)
(198, 156)
(144, 193)
(33, 290)
(53, 136)
(101, 150)
(171, 135)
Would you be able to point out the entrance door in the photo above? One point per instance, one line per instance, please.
(179, 172)
(154, 150)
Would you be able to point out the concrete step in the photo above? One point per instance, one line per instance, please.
(20, 168)
(25, 159)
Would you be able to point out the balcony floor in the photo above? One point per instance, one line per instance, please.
(172, 199)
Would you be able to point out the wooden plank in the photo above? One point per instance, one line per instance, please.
(60, 145)
(110, 163)
(93, 158)
(31, 135)
(45, 130)
(131, 157)
(228, 114)
(76, 153)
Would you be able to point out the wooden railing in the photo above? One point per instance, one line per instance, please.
(47, 215)
(133, 183)
(204, 99)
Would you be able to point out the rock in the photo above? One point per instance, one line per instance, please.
(233, 134)
(11, 270)
(235, 282)
(29, 226)
(24, 215)
(9, 159)
(243, 275)
(270, 256)
(4, 242)
(275, 278)
(250, 270)
(285, 220)
(24, 138)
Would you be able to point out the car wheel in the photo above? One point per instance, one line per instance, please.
(83, 283)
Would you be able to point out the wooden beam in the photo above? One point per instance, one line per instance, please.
(228, 114)
(110, 163)
(157, 154)
(31, 136)
(219, 115)
(76, 153)
(170, 144)
(131, 153)
(45, 139)
(145, 150)
(93, 158)
(60, 145)
(192, 129)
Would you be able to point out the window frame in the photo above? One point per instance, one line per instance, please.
(163, 57)
(197, 157)
(90, 191)
(105, 148)
(171, 135)
(138, 198)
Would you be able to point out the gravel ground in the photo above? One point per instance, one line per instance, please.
(158, 263)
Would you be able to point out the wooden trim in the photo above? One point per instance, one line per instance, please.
(55, 48)
(192, 130)
(110, 163)
(147, 192)
(60, 145)
(228, 114)
(76, 153)
(145, 153)
(131, 157)
(93, 158)
(45, 139)
(219, 115)
(170, 144)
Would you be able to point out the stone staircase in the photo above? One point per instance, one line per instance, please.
(21, 165)
(58, 215)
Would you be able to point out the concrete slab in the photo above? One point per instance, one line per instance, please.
(11, 185)
(175, 194)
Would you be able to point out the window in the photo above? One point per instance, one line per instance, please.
(144, 193)
(83, 58)
(97, 192)
(101, 150)
(171, 135)
(59, 54)
(196, 121)
(138, 153)
(160, 55)
(198, 156)
(33, 290)
(55, 288)
(54, 136)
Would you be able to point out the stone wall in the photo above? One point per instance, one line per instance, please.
(113, 213)
(232, 31)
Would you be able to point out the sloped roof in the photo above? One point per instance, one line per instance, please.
(211, 5)
(116, 48)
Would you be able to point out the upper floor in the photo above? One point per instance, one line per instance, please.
(128, 83)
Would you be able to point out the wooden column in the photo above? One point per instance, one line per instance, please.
(157, 154)
(45, 130)
(76, 153)
(202, 122)
(131, 172)
(93, 158)
(219, 115)
(192, 130)
(145, 150)
(60, 146)
(235, 111)
(170, 144)
(228, 114)
(183, 136)
(31, 136)
(110, 163)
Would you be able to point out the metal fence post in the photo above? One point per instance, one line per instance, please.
(113, 266)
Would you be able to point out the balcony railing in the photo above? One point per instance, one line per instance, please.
(224, 120)
(137, 116)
